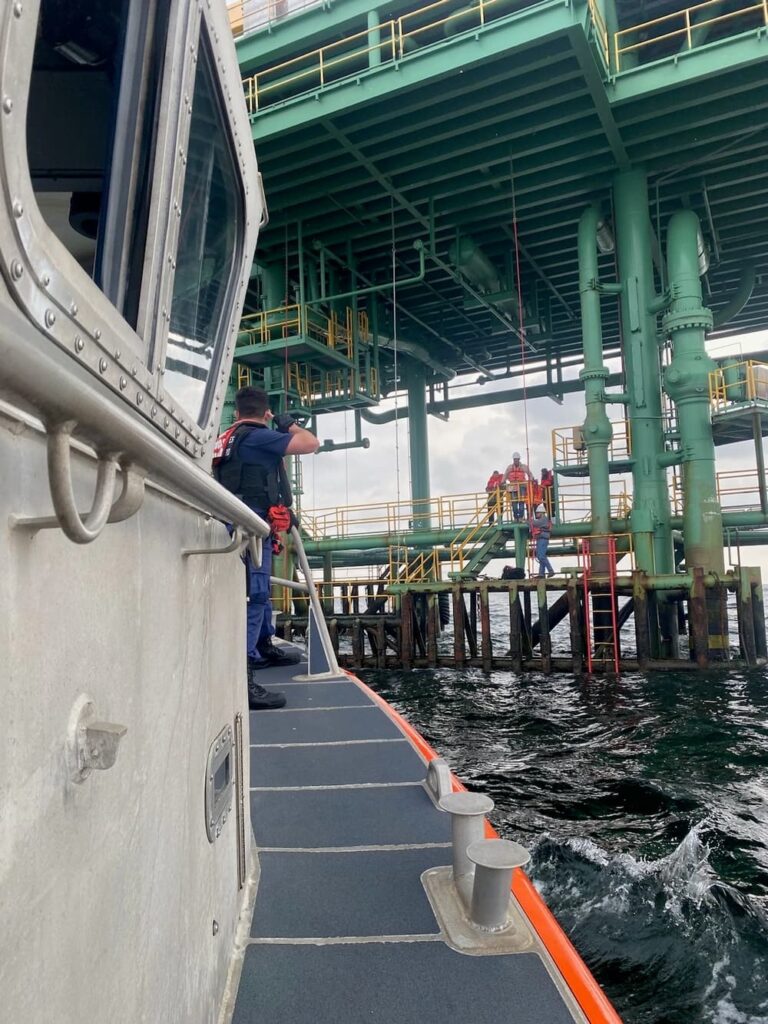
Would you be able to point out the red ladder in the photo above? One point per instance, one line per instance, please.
(602, 633)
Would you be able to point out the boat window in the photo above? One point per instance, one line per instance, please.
(97, 65)
(209, 249)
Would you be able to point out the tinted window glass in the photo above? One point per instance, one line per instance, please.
(208, 250)
(91, 133)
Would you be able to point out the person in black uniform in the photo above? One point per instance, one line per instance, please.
(247, 460)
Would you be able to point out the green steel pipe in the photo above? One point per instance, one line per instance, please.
(484, 399)
(651, 509)
(739, 299)
(418, 442)
(597, 427)
(384, 287)
(274, 285)
(374, 39)
(687, 384)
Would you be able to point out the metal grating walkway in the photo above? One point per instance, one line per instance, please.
(342, 929)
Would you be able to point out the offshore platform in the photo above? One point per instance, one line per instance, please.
(574, 190)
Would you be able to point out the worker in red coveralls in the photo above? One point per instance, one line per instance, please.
(493, 490)
(517, 478)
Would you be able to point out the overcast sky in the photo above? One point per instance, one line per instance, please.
(465, 450)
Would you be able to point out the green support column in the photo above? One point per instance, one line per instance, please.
(597, 426)
(273, 285)
(418, 440)
(687, 384)
(374, 39)
(650, 521)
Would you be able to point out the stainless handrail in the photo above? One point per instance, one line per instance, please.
(33, 369)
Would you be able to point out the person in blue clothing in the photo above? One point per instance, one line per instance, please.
(248, 460)
(541, 528)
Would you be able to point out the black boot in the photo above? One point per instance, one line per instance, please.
(259, 698)
(278, 655)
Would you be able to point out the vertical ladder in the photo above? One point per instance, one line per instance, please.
(601, 625)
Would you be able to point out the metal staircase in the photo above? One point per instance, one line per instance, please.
(479, 540)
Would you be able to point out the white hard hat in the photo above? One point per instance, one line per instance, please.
(515, 455)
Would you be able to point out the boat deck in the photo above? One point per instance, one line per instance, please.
(342, 929)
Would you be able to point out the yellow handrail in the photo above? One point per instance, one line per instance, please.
(601, 30)
(738, 382)
(569, 447)
(326, 65)
(688, 27)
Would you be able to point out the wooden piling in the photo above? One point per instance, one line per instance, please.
(574, 622)
(485, 629)
(469, 631)
(358, 644)
(545, 641)
(381, 644)
(698, 618)
(333, 633)
(406, 630)
(433, 613)
(515, 630)
(642, 622)
(758, 613)
(459, 650)
(746, 619)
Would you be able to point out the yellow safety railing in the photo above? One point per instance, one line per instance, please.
(447, 512)
(744, 381)
(489, 510)
(573, 501)
(249, 15)
(682, 25)
(738, 490)
(427, 25)
(369, 381)
(294, 321)
(421, 568)
(600, 29)
(347, 57)
(569, 445)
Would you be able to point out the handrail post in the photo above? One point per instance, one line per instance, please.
(314, 601)
(688, 27)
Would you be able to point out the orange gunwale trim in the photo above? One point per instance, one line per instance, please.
(593, 1001)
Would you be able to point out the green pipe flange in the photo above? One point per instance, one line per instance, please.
(699, 318)
(600, 373)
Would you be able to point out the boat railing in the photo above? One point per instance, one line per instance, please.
(71, 407)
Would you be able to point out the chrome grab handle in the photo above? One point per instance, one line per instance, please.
(78, 529)
(240, 541)
(254, 549)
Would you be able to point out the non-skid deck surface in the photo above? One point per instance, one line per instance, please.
(342, 930)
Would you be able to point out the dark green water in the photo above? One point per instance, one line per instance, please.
(644, 802)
